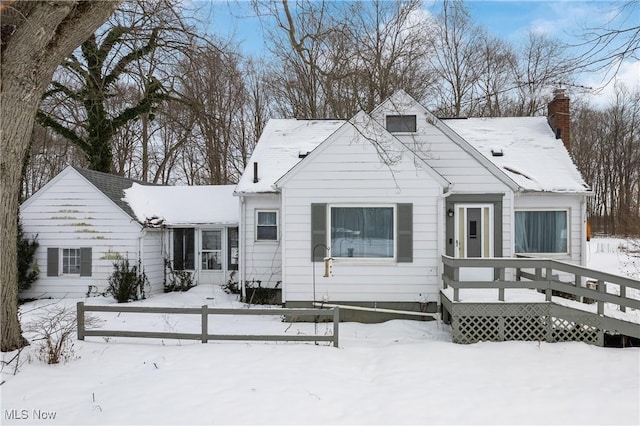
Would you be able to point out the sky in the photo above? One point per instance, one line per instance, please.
(509, 20)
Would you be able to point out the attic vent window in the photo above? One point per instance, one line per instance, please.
(497, 152)
(401, 123)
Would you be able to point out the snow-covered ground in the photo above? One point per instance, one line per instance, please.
(398, 372)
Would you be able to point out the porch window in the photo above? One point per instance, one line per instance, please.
(183, 249)
(362, 232)
(266, 225)
(212, 250)
(233, 249)
(401, 123)
(541, 231)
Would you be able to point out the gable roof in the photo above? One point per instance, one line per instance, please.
(112, 186)
(280, 147)
(401, 101)
(183, 205)
(386, 145)
(531, 155)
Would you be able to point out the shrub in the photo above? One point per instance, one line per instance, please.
(27, 269)
(176, 279)
(125, 283)
(53, 331)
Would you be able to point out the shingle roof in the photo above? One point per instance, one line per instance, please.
(112, 186)
(528, 151)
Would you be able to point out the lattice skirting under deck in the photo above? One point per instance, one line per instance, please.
(474, 322)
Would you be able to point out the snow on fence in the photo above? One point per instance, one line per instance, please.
(204, 312)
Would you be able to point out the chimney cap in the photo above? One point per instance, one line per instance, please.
(559, 93)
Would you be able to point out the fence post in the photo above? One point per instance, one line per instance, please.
(456, 285)
(579, 285)
(623, 293)
(336, 325)
(501, 279)
(547, 291)
(80, 320)
(205, 324)
(601, 289)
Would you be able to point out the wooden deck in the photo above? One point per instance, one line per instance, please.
(538, 299)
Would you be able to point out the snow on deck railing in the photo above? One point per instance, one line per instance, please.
(544, 274)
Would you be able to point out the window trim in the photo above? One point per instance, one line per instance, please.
(62, 259)
(567, 212)
(277, 225)
(392, 259)
(401, 132)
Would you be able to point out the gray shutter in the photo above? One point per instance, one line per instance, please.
(405, 232)
(85, 261)
(318, 232)
(53, 261)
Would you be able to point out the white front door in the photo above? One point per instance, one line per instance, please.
(474, 238)
(211, 256)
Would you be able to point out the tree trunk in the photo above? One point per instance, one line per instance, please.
(45, 33)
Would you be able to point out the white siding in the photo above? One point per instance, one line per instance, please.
(577, 221)
(347, 169)
(69, 212)
(261, 260)
(442, 154)
(153, 259)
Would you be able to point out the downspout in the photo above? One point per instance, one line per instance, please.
(583, 232)
(242, 248)
(143, 233)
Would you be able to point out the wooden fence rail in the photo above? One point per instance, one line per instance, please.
(204, 312)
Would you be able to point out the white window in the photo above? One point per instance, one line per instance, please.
(266, 225)
(539, 231)
(401, 123)
(71, 261)
(362, 232)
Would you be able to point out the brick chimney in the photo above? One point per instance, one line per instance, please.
(559, 118)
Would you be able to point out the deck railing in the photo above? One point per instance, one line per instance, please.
(546, 275)
(204, 313)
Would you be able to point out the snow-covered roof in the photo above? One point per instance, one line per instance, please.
(526, 149)
(280, 147)
(182, 205)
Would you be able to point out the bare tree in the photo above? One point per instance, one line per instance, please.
(36, 37)
(609, 45)
(390, 43)
(541, 63)
(456, 58)
(606, 148)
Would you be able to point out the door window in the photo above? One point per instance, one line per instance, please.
(212, 250)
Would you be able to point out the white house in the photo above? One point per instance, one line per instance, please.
(84, 224)
(361, 211)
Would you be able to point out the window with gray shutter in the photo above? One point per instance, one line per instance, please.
(85, 261)
(318, 232)
(405, 232)
(53, 261)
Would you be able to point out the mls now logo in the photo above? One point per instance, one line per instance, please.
(29, 414)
